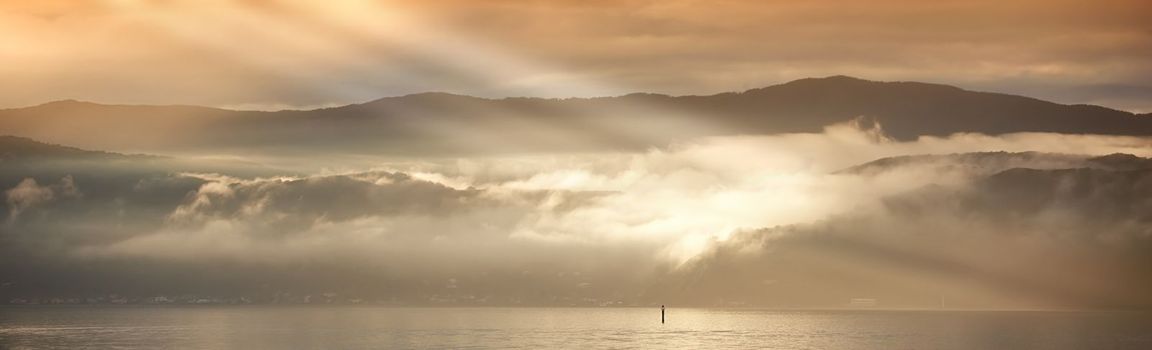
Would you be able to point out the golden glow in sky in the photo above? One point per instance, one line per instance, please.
(287, 53)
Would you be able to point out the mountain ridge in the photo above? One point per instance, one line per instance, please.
(832, 78)
(15, 147)
(438, 123)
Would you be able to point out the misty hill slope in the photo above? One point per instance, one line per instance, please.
(1020, 237)
(14, 148)
(987, 163)
(22, 158)
(1029, 230)
(439, 123)
(95, 185)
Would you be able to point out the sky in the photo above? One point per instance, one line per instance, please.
(275, 54)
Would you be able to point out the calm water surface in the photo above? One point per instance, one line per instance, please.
(258, 327)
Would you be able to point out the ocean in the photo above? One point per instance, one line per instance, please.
(365, 327)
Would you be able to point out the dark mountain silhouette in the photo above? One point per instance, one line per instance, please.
(910, 109)
(440, 123)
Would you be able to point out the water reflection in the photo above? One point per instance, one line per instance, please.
(367, 327)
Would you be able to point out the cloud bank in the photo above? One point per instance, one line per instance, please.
(754, 220)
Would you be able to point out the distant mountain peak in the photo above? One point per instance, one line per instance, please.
(425, 96)
(840, 78)
(68, 103)
(829, 80)
(844, 81)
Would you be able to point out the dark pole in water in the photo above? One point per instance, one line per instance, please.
(661, 314)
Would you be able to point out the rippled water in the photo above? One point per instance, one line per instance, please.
(258, 327)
